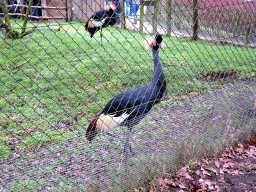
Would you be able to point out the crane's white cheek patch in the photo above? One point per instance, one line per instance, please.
(106, 123)
(148, 43)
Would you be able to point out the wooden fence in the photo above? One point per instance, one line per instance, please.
(56, 10)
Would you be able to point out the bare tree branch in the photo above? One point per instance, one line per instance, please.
(26, 17)
(27, 32)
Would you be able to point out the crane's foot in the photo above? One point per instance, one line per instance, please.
(128, 149)
(114, 138)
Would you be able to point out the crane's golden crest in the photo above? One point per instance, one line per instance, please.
(107, 122)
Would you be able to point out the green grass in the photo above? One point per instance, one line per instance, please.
(53, 82)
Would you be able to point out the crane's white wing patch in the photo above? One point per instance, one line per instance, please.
(106, 123)
(98, 23)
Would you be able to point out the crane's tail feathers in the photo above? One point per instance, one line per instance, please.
(89, 24)
(103, 123)
(92, 128)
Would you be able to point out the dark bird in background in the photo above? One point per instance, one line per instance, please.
(102, 19)
(129, 107)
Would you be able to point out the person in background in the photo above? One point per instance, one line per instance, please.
(127, 7)
(135, 5)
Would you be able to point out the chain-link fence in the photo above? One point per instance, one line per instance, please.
(55, 78)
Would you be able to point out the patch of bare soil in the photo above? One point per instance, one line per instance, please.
(225, 76)
(235, 170)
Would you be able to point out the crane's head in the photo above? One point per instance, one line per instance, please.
(154, 43)
(112, 5)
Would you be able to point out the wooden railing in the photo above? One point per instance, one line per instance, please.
(45, 14)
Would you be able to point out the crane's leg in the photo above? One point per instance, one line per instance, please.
(127, 145)
(101, 35)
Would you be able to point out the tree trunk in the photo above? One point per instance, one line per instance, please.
(141, 16)
(26, 17)
(6, 16)
(169, 17)
(155, 16)
(195, 20)
(6, 27)
(122, 14)
(11, 34)
(3, 28)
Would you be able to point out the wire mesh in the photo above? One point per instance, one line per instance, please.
(55, 78)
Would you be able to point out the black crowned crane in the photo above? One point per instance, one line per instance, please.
(129, 107)
(102, 19)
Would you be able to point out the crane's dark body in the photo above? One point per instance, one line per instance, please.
(136, 102)
(108, 18)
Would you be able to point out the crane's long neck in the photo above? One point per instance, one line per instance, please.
(158, 71)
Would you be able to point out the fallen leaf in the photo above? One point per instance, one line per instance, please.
(226, 160)
(235, 172)
(181, 185)
(217, 164)
(182, 170)
(240, 150)
(206, 173)
(211, 187)
(213, 170)
(187, 176)
(200, 180)
(198, 172)
(222, 171)
(163, 182)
